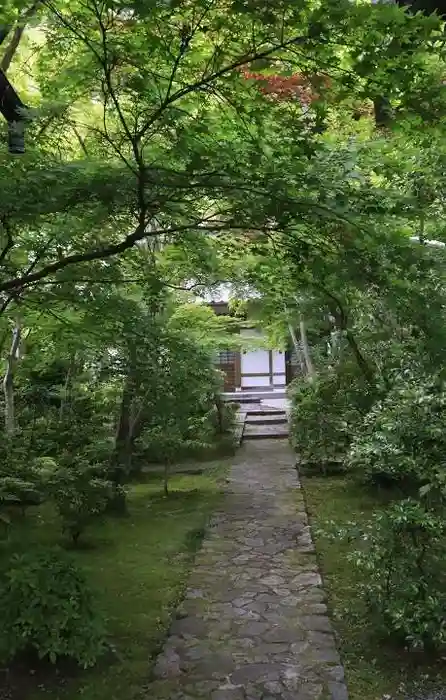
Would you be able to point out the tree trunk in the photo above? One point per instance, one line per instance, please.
(129, 421)
(166, 479)
(66, 396)
(297, 348)
(306, 350)
(8, 380)
(219, 406)
(363, 365)
(123, 443)
(383, 112)
(341, 318)
(17, 36)
(334, 344)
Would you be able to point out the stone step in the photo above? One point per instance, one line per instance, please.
(267, 419)
(266, 436)
(262, 432)
(256, 395)
(265, 411)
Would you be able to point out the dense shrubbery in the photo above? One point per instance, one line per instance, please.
(401, 555)
(326, 414)
(402, 440)
(391, 438)
(46, 607)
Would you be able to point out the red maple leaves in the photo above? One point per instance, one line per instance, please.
(294, 87)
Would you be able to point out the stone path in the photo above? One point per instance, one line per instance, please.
(254, 625)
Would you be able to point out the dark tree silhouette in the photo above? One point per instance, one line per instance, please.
(12, 108)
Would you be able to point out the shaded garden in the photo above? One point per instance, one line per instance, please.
(295, 152)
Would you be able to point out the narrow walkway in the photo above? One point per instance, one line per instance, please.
(253, 625)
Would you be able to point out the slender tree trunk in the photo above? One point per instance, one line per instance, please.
(8, 380)
(166, 478)
(421, 236)
(17, 35)
(306, 350)
(122, 450)
(219, 406)
(383, 112)
(65, 401)
(334, 343)
(364, 366)
(297, 348)
(341, 318)
(123, 440)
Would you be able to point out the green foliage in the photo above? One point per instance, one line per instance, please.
(401, 441)
(326, 414)
(302, 203)
(21, 482)
(46, 607)
(401, 561)
(80, 496)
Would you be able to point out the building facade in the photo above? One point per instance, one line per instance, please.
(259, 369)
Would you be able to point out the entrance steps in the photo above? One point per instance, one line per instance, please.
(269, 424)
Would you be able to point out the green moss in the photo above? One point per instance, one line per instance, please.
(373, 669)
(139, 566)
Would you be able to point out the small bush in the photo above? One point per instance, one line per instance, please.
(401, 559)
(402, 440)
(47, 607)
(21, 482)
(169, 445)
(80, 497)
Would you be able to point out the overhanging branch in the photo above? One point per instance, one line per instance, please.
(108, 252)
(206, 80)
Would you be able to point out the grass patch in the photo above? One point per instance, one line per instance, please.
(372, 668)
(139, 566)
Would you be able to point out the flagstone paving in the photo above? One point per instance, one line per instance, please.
(254, 624)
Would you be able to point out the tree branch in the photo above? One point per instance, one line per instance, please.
(182, 92)
(9, 241)
(112, 250)
(14, 295)
(81, 141)
(17, 36)
(340, 315)
(103, 253)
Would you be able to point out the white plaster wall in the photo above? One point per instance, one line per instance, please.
(248, 382)
(278, 361)
(255, 361)
(279, 368)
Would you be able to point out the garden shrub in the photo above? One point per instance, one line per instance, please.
(80, 495)
(402, 561)
(402, 440)
(325, 415)
(47, 607)
(21, 480)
